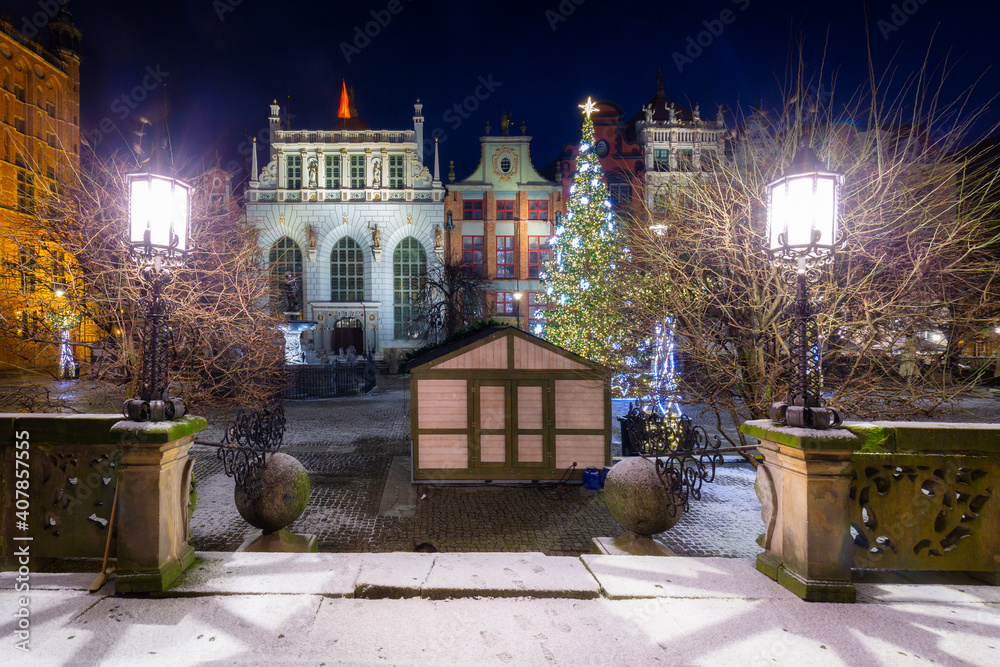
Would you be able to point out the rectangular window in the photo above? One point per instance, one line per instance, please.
(50, 108)
(333, 172)
(19, 125)
(19, 93)
(50, 139)
(538, 254)
(538, 210)
(620, 195)
(358, 172)
(473, 255)
(396, 172)
(505, 257)
(25, 191)
(505, 303)
(58, 269)
(537, 304)
(472, 209)
(29, 269)
(685, 159)
(505, 210)
(294, 171)
(662, 157)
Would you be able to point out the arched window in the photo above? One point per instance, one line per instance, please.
(285, 257)
(409, 268)
(347, 271)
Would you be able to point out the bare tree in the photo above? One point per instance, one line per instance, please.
(918, 273)
(71, 274)
(450, 298)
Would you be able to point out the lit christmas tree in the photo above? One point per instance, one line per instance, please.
(584, 247)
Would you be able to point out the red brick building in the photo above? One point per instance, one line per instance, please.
(498, 222)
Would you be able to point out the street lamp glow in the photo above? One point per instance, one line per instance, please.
(159, 215)
(803, 211)
(803, 231)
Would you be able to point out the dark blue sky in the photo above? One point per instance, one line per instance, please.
(220, 62)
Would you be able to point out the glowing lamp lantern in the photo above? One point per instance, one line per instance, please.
(803, 206)
(159, 219)
(159, 215)
(803, 230)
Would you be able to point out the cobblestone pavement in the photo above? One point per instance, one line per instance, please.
(347, 446)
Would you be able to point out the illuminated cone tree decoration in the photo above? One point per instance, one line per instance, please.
(585, 246)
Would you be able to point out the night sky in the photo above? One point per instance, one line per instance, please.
(221, 62)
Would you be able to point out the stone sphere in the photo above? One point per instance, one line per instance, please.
(283, 495)
(636, 498)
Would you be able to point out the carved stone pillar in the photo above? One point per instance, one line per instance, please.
(154, 502)
(804, 486)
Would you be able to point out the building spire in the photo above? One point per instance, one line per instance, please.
(436, 183)
(253, 164)
(345, 108)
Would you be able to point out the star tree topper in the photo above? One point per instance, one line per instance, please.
(588, 108)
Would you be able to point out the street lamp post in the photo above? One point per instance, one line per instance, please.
(159, 220)
(517, 307)
(803, 233)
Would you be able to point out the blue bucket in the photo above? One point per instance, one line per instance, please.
(591, 478)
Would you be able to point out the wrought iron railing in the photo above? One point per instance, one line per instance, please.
(328, 381)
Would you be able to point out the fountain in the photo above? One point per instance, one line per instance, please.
(293, 330)
(308, 378)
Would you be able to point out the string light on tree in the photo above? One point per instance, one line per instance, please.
(584, 246)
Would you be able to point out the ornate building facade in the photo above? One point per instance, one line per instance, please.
(39, 151)
(499, 221)
(664, 143)
(355, 216)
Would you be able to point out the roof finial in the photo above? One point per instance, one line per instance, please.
(345, 108)
(253, 163)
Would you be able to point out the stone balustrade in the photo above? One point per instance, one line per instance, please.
(876, 495)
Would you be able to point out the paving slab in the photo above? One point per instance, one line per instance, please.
(508, 631)
(629, 577)
(509, 575)
(968, 594)
(393, 575)
(281, 573)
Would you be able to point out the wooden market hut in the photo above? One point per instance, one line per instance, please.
(501, 404)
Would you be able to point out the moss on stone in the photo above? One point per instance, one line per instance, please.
(875, 438)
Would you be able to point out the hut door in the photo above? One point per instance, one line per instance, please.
(532, 421)
(491, 441)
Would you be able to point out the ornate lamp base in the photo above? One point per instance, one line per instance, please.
(805, 416)
(138, 410)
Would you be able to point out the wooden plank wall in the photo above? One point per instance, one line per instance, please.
(490, 355)
(442, 404)
(585, 450)
(580, 404)
(444, 451)
(529, 407)
(492, 407)
(529, 356)
(529, 448)
(493, 448)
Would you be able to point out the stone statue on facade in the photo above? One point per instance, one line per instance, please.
(377, 174)
(696, 112)
(291, 285)
(504, 123)
(437, 236)
(648, 112)
(313, 173)
(673, 113)
(312, 236)
(376, 237)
